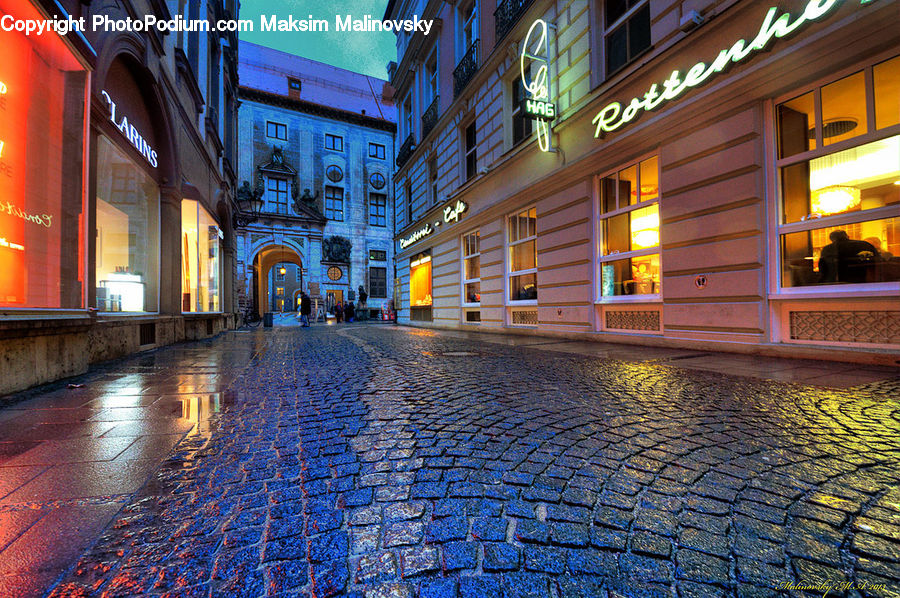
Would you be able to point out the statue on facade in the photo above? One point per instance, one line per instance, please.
(336, 249)
(362, 309)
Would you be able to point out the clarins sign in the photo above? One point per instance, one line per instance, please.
(130, 132)
(451, 213)
(614, 116)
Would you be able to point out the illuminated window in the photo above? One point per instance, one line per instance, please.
(127, 233)
(277, 194)
(42, 161)
(334, 203)
(420, 280)
(279, 291)
(377, 209)
(471, 271)
(627, 31)
(839, 219)
(376, 150)
(334, 142)
(200, 259)
(276, 131)
(522, 264)
(378, 282)
(629, 225)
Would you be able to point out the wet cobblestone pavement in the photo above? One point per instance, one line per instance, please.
(375, 461)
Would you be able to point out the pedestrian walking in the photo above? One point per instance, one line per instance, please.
(338, 312)
(349, 312)
(305, 309)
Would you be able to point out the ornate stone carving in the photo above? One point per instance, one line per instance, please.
(336, 249)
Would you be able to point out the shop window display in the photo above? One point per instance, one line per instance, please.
(201, 265)
(839, 166)
(420, 281)
(127, 233)
(629, 212)
(42, 153)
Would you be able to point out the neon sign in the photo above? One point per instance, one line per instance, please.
(613, 116)
(452, 213)
(536, 49)
(130, 132)
(416, 236)
(539, 110)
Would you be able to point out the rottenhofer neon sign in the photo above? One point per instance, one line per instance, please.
(614, 116)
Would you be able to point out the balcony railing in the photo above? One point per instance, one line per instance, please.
(406, 151)
(507, 14)
(430, 117)
(466, 69)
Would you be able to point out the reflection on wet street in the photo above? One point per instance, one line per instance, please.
(373, 460)
(70, 458)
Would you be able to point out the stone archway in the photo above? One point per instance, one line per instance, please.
(266, 258)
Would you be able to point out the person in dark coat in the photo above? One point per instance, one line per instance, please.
(846, 259)
(305, 309)
(339, 312)
(349, 311)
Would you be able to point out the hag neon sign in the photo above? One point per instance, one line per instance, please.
(613, 116)
(131, 133)
(536, 50)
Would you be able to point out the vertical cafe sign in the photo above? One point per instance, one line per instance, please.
(534, 67)
(14, 98)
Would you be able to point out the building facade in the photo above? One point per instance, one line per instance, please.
(713, 174)
(321, 140)
(117, 152)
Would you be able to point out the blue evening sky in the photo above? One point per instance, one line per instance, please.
(363, 52)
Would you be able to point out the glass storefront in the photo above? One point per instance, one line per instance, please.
(201, 250)
(127, 233)
(42, 153)
(420, 281)
(629, 209)
(840, 181)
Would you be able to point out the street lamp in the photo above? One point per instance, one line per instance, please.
(249, 205)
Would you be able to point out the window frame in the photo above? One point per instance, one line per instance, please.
(463, 43)
(467, 151)
(278, 127)
(509, 272)
(332, 141)
(272, 204)
(778, 229)
(462, 267)
(373, 294)
(599, 216)
(379, 150)
(378, 214)
(331, 210)
(605, 30)
(516, 112)
(433, 179)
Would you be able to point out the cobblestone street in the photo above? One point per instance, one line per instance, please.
(380, 461)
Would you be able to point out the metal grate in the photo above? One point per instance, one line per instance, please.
(430, 117)
(466, 69)
(632, 320)
(878, 327)
(473, 316)
(507, 14)
(525, 318)
(148, 333)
